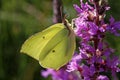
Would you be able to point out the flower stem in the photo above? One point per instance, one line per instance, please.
(57, 11)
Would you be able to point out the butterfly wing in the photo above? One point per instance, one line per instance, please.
(34, 45)
(60, 53)
(52, 47)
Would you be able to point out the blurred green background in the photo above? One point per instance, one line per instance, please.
(21, 18)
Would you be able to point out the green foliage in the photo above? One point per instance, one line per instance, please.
(22, 18)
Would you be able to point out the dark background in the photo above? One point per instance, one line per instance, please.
(19, 19)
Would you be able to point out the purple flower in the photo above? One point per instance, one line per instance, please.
(107, 52)
(74, 63)
(83, 54)
(114, 27)
(72, 66)
(95, 59)
(84, 28)
(61, 74)
(102, 77)
(81, 28)
(48, 72)
(113, 64)
(86, 46)
(84, 8)
(92, 28)
(88, 72)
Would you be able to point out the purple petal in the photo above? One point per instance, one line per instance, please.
(101, 77)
